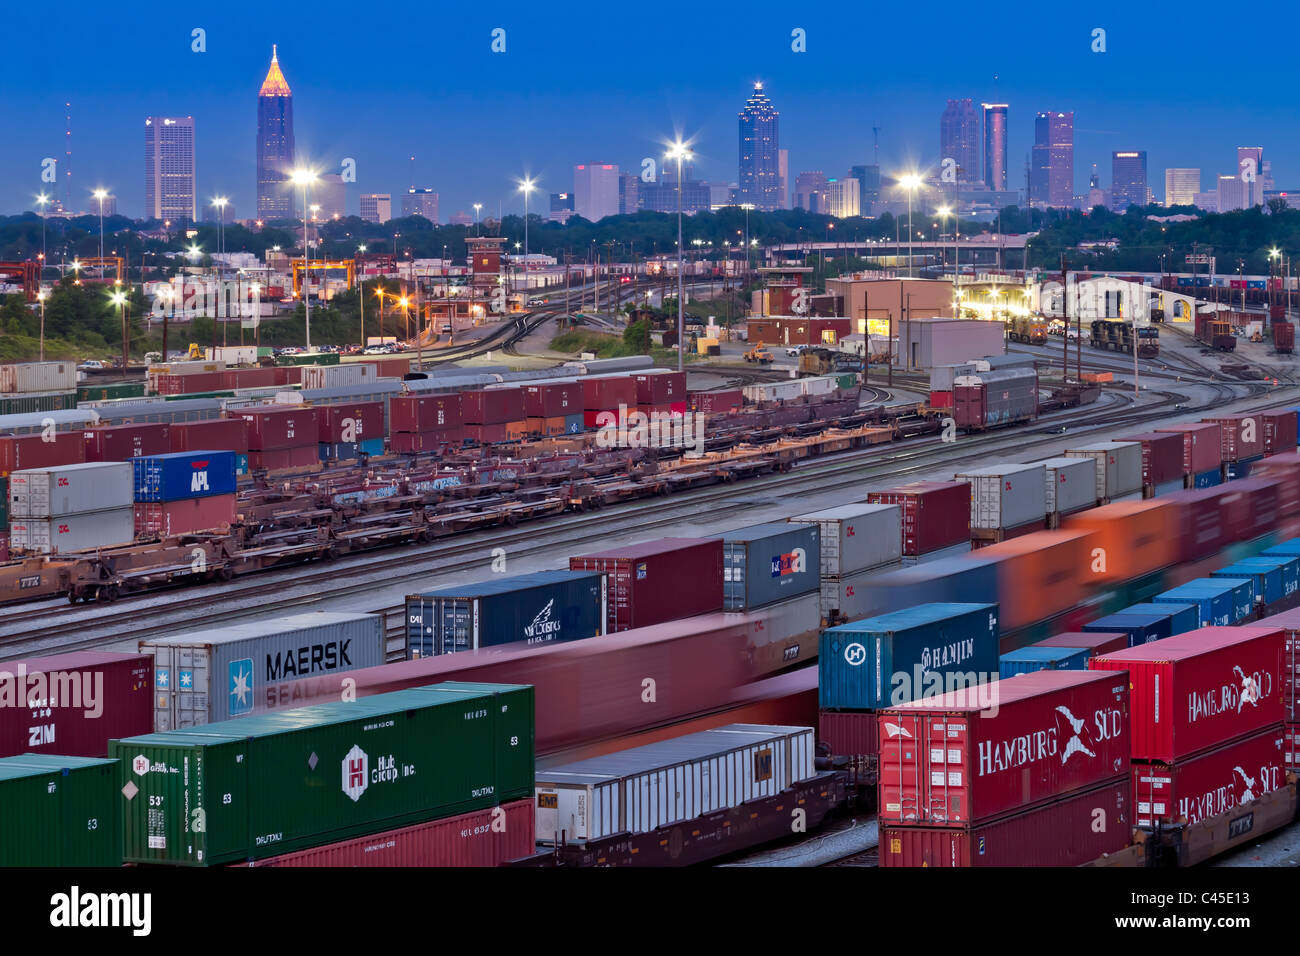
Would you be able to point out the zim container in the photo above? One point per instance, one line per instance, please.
(657, 581)
(552, 399)
(528, 609)
(1276, 578)
(935, 514)
(1101, 642)
(279, 783)
(900, 656)
(69, 489)
(352, 423)
(1119, 467)
(1005, 496)
(124, 442)
(1148, 622)
(1202, 445)
(186, 474)
(492, 406)
(424, 413)
(59, 811)
(279, 428)
(1221, 602)
(660, 388)
(68, 533)
(1070, 484)
(766, 563)
(1027, 660)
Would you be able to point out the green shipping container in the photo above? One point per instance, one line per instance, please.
(311, 358)
(105, 393)
(59, 811)
(847, 379)
(186, 397)
(273, 783)
(22, 403)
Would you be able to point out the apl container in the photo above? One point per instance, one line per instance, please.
(1199, 690)
(935, 514)
(968, 756)
(856, 537)
(1220, 602)
(527, 609)
(1101, 642)
(1119, 467)
(1070, 484)
(279, 783)
(68, 533)
(187, 474)
(70, 489)
(766, 563)
(1148, 622)
(657, 581)
(59, 811)
(1028, 660)
(1006, 496)
(1276, 578)
(209, 675)
(899, 656)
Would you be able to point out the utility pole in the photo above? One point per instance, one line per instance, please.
(1065, 327)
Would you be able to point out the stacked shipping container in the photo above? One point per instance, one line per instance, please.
(71, 508)
(857, 541)
(425, 423)
(282, 437)
(183, 492)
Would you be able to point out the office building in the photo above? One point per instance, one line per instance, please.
(810, 191)
(562, 207)
(760, 147)
(169, 193)
(275, 153)
(1250, 169)
(1051, 173)
(376, 207)
(662, 196)
(1181, 186)
(1208, 201)
(960, 139)
(595, 191)
(783, 168)
(842, 198)
(995, 146)
(868, 178)
(1128, 179)
(330, 194)
(1231, 194)
(628, 193)
(421, 202)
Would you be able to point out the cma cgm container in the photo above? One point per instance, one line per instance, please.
(24, 452)
(1202, 446)
(935, 514)
(124, 442)
(1276, 578)
(540, 608)
(1241, 436)
(1005, 496)
(1162, 457)
(74, 703)
(856, 537)
(68, 533)
(1210, 783)
(230, 434)
(280, 428)
(965, 757)
(1144, 623)
(1027, 660)
(1220, 602)
(1062, 833)
(187, 474)
(897, 657)
(1119, 467)
(210, 675)
(657, 581)
(1101, 642)
(69, 489)
(59, 811)
(279, 783)
(1198, 690)
(766, 563)
(1070, 484)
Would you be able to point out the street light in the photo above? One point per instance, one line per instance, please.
(42, 200)
(305, 177)
(361, 285)
(477, 206)
(526, 186)
(119, 299)
(679, 152)
(101, 195)
(41, 297)
(944, 212)
(911, 182)
(220, 203)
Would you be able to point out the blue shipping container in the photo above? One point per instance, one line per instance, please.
(338, 451)
(1275, 577)
(967, 580)
(573, 424)
(183, 475)
(1240, 469)
(1208, 479)
(241, 464)
(901, 656)
(1222, 601)
(1289, 549)
(541, 608)
(372, 446)
(766, 563)
(1144, 623)
(1027, 660)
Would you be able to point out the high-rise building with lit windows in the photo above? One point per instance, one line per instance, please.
(760, 148)
(169, 169)
(275, 155)
(995, 146)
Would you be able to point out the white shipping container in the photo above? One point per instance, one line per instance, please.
(953, 551)
(1006, 496)
(38, 377)
(328, 376)
(849, 598)
(640, 790)
(773, 391)
(1119, 467)
(1071, 484)
(187, 368)
(819, 385)
(63, 535)
(233, 354)
(71, 489)
(857, 537)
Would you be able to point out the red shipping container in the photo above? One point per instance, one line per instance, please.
(492, 406)
(941, 399)
(78, 701)
(4, 545)
(723, 402)
(1063, 833)
(166, 518)
(1289, 622)
(278, 428)
(657, 581)
(215, 434)
(351, 423)
(424, 413)
(1291, 747)
(1210, 783)
(1201, 689)
(395, 367)
(435, 442)
(19, 452)
(660, 388)
(480, 838)
(607, 392)
(1162, 456)
(678, 408)
(1283, 468)
(552, 399)
(487, 434)
(1106, 642)
(978, 753)
(253, 378)
(281, 458)
(1279, 431)
(1202, 445)
(1203, 521)
(849, 733)
(936, 514)
(124, 442)
(288, 375)
(1253, 506)
(1241, 436)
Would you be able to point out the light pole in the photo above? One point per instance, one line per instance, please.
(304, 178)
(119, 299)
(526, 186)
(101, 195)
(944, 213)
(679, 152)
(478, 229)
(747, 207)
(40, 297)
(361, 287)
(911, 182)
(42, 200)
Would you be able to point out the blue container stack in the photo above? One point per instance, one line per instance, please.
(183, 475)
(1221, 601)
(1144, 623)
(1027, 660)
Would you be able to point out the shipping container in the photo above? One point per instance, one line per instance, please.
(38, 377)
(492, 406)
(607, 392)
(1144, 623)
(1101, 642)
(195, 383)
(627, 791)
(856, 537)
(1070, 484)
(69, 533)
(1280, 433)
(162, 519)
(994, 398)
(574, 424)
(766, 563)
(1202, 446)
(1027, 660)
(972, 755)
(897, 657)
(24, 452)
(772, 392)
(1210, 783)
(935, 514)
(371, 446)
(1119, 467)
(351, 423)
(275, 784)
(721, 402)
(1289, 549)
(552, 399)
(1162, 457)
(849, 733)
(657, 581)
(1134, 538)
(329, 376)
(124, 442)
(280, 428)
(1220, 602)
(187, 474)
(1241, 436)
(1276, 578)
(538, 608)
(1198, 690)
(228, 434)
(26, 403)
(283, 459)
(1241, 468)
(413, 443)
(1039, 574)
(87, 392)
(59, 811)
(70, 490)
(660, 387)
(852, 596)
(1005, 496)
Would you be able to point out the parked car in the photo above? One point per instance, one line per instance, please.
(385, 349)
(91, 365)
(795, 350)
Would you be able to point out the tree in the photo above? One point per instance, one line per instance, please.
(637, 336)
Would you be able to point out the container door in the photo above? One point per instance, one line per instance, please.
(902, 737)
(947, 767)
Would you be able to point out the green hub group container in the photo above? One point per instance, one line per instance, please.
(104, 393)
(59, 811)
(273, 783)
(25, 402)
(309, 358)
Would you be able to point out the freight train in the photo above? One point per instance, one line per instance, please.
(992, 399)
(1029, 331)
(1118, 335)
(1215, 333)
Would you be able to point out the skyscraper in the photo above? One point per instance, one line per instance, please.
(783, 173)
(959, 139)
(1250, 168)
(628, 193)
(421, 202)
(275, 154)
(810, 191)
(760, 147)
(842, 198)
(1051, 174)
(868, 178)
(995, 145)
(169, 169)
(595, 191)
(1181, 186)
(1128, 179)
(376, 207)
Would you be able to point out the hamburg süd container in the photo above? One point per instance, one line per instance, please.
(68, 533)
(278, 783)
(902, 655)
(1006, 496)
(1221, 602)
(657, 581)
(1162, 456)
(73, 703)
(1241, 436)
(1101, 642)
(185, 474)
(209, 675)
(625, 791)
(1148, 622)
(538, 608)
(1027, 660)
(1276, 578)
(766, 563)
(1198, 690)
(59, 811)
(1202, 445)
(964, 757)
(856, 537)
(1119, 467)
(935, 514)
(1070, 484)
(70, 489)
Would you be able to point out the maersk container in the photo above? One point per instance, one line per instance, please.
(1070, 484)
(70, 489)
(210, 675)
(1275, 578)
(541, 608)
(1028, 660)
(1006, 496)
(277, 783)
(856, 537)
(1119, 467)
(185, 474)
(1144, 623)
(69, 533)
(766, 563)
(1220, 602)
(59, 811)
(900, 656)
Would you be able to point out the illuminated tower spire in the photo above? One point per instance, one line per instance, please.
(275, 152)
